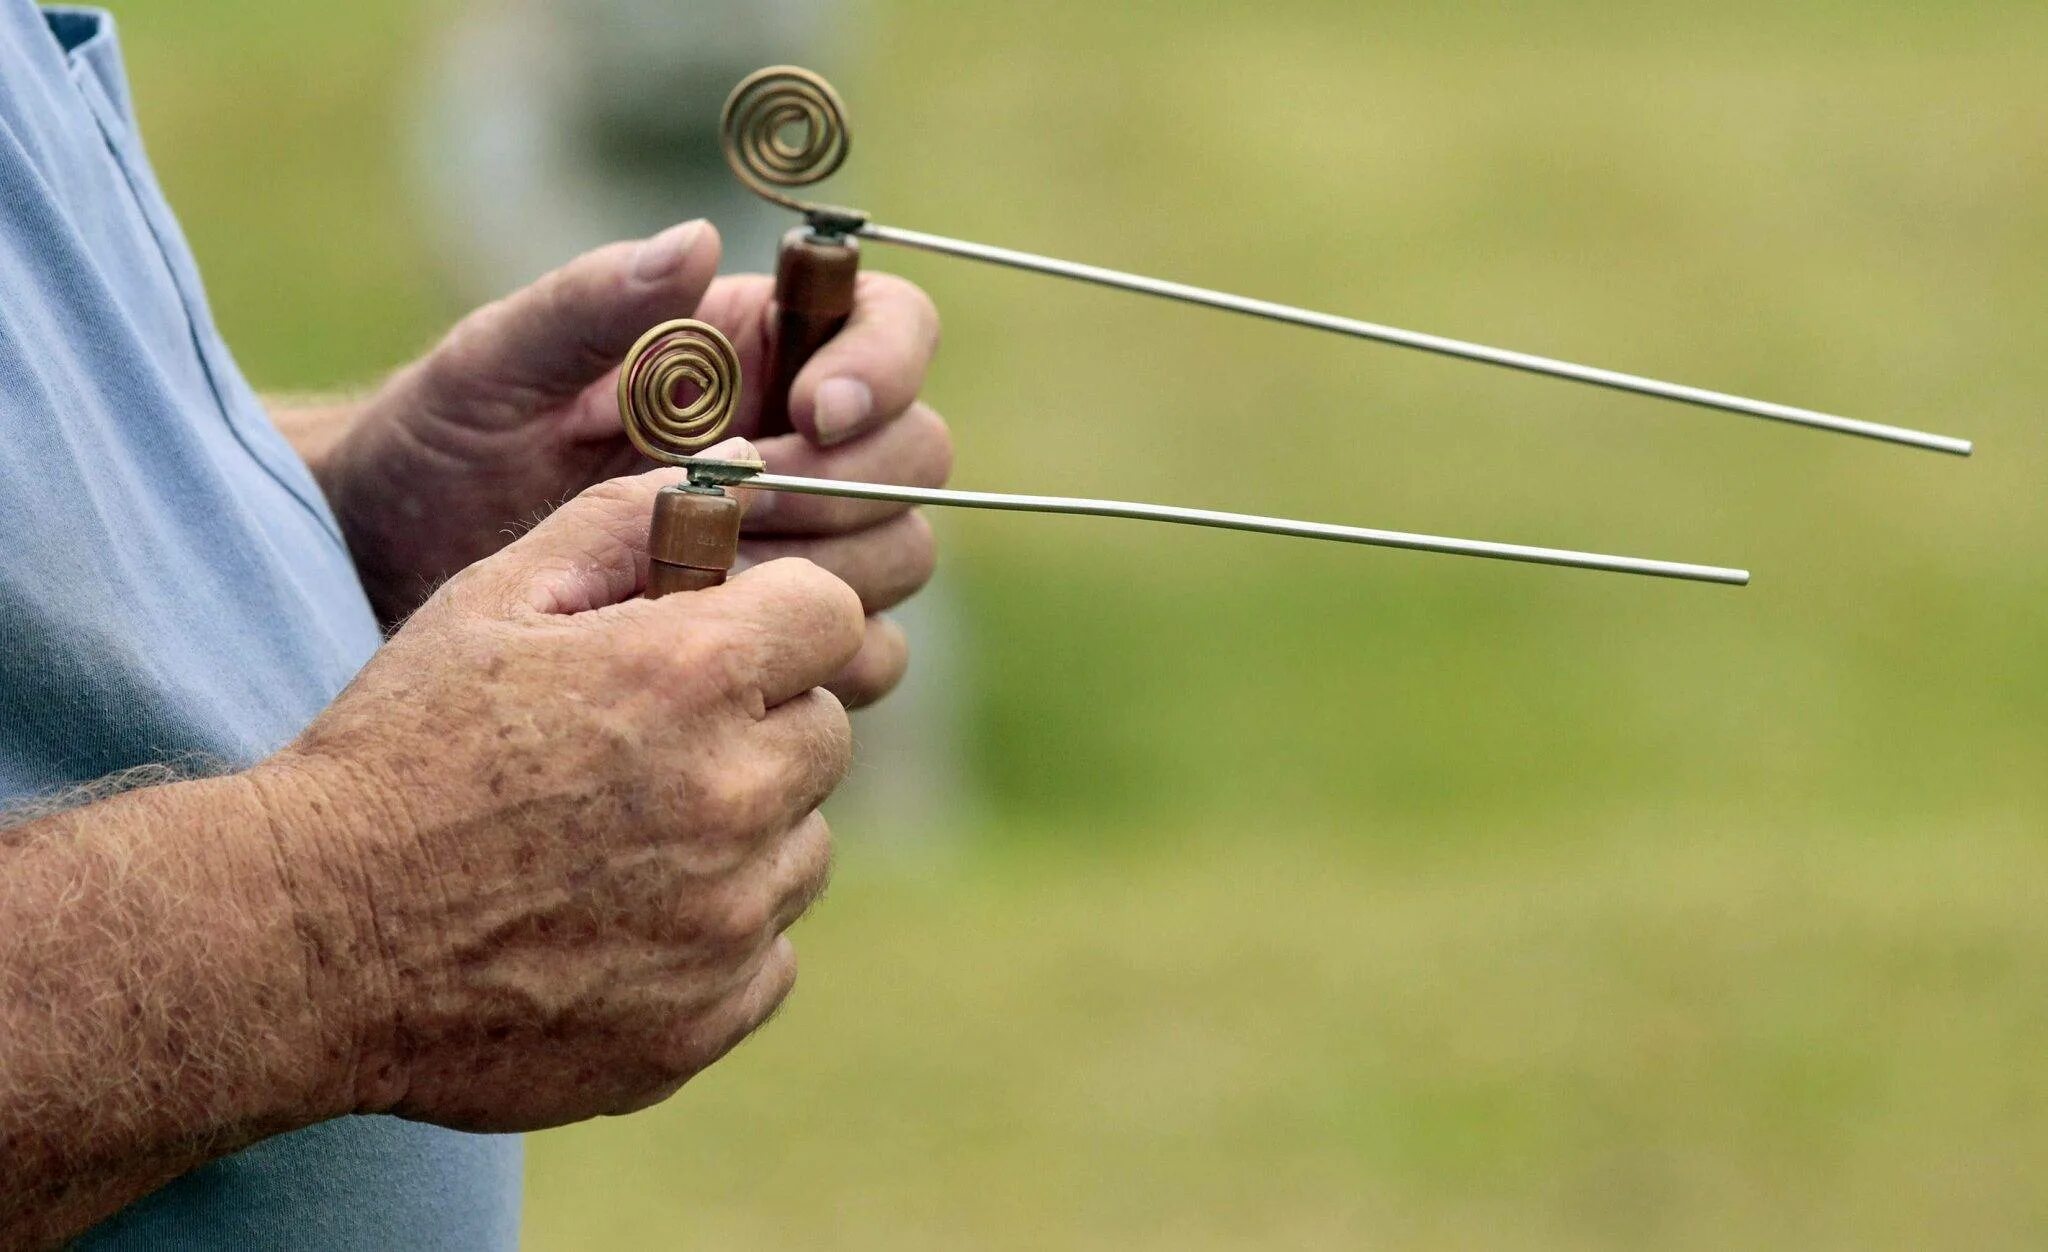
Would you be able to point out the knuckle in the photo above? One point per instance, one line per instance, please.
(712, 854)
(679, 1054)
(844, 618)
(818, 851)
(840, 725)
(783, 965)
(605, 518)
(833, 606)
(819, 832)
(739, 802)
(495, 587)
(831, 744)
(774, 980)
(472, 588)
(719, 656)
(825, 721)
(744, 917)
(713, 665)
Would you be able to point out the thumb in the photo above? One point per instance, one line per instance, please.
(592, 551)
(553, 338)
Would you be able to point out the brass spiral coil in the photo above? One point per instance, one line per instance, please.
(675, 357)
(784, 127)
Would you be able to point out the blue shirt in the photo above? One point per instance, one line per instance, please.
(173, 587)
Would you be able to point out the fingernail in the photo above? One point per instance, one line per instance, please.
(663, 254)
(839, 408)
(734, 449)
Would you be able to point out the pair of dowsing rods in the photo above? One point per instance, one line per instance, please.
(785, 128)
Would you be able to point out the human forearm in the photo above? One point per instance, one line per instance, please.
(534, 864)
(168, 994)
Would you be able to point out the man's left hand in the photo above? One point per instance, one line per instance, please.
(516, 411)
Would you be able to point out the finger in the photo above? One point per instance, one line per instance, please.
(882, 353)
(590, 553)
(871, 371)
(804, 747)
(885, 564)
(793, 872)
(719, 1029)
(549, 341)
(761, 897)
(883, 659)
(773, 631)
(914, 451)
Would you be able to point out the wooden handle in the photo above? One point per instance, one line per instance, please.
(693, 542)
(664, 579)
(814, 280)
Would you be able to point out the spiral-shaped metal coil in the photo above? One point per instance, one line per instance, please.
(672, 360)
(784, 127)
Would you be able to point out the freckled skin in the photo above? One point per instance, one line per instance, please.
(517, 409)
(608, 822)
(530, 867)
(536, 862)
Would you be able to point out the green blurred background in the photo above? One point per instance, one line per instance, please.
(1324, 897)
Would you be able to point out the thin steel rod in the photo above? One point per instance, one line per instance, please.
(1245, 521)
(1414, 339)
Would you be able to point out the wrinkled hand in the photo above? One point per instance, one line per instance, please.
(516, 410)
(573, 825)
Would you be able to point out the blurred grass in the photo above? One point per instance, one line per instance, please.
(1331, 896)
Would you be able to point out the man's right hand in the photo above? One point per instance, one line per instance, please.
(546, 845)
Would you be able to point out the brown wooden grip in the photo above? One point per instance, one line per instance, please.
(814, 280)
(692, 542)
(664, 579)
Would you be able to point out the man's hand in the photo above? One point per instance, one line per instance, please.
(516, 410)
(533, 865)
(580, 823)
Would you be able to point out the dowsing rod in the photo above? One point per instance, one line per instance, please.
(784, 128)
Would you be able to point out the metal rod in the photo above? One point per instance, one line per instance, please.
(1235, 521)
(1414, 339)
